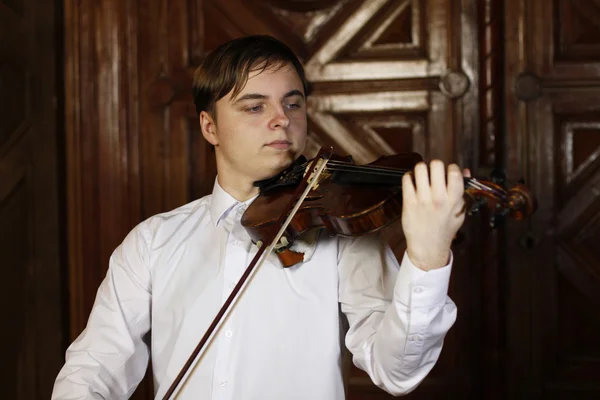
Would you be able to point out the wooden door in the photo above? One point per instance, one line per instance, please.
(387, 76)
(31, 341)
(553, 134)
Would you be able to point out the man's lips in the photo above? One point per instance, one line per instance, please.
(279, 144)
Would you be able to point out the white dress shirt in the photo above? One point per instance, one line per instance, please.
(283, 339)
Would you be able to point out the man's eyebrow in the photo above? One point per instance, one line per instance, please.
(258, 96)
(249, 96)
(294, 92)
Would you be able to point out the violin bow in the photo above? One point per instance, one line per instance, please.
(310, 179)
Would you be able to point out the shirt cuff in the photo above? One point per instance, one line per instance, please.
(416, 288)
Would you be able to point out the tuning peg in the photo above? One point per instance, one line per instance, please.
(497, 219)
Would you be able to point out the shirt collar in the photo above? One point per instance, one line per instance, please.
(222, 202)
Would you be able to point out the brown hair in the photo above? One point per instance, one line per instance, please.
(227, 67)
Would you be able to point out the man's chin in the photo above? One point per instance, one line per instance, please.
(284, 158)
(274, 168)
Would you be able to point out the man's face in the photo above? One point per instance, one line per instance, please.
(262, 130)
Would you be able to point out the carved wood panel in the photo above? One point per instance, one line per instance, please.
(32, 336)
(386, 76)
(554, 137)
(577, 30)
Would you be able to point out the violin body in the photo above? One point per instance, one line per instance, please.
(346, 201)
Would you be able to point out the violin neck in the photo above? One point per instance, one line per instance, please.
(366, 178)
(384, 177)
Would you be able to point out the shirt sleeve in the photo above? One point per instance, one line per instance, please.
(398, 316)
(110, 356)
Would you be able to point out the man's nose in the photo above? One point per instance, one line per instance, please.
(280, 119)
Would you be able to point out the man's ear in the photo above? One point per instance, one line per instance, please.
(209, 128)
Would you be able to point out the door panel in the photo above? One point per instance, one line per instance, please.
(29, 232)
(553, 115)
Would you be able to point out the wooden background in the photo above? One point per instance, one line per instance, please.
(98, 131)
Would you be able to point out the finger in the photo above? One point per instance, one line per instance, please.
(438, 181)
(456, 185)
(408, 189)
(467, 173)
(462, 208)
(422, 183)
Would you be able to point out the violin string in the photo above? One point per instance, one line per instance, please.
(472, 182)
(384, 171)
(396, 172)
(390, 171)
(354, 167)
(368, 168)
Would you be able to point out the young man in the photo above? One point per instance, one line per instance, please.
(284, 337)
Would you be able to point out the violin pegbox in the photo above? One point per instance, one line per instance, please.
(517, 202)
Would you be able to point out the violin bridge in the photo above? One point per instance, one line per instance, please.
(324, 174)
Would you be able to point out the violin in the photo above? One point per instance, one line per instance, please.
(353, 200)
(332, 193)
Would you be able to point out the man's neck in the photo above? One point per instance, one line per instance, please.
(240, 189)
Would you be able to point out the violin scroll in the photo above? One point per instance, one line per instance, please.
(517, 202)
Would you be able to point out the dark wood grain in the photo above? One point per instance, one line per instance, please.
(31, 239)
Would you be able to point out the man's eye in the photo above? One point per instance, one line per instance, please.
(293, 106)
(254, 109)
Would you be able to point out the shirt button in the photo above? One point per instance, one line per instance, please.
(232, 285)
(418, 289)
(229, 334)
(223, 383)
(237, 242)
